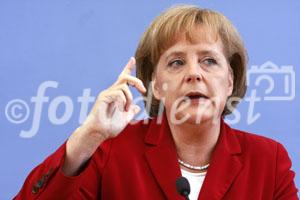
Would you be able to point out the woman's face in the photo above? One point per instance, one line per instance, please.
(193, 79)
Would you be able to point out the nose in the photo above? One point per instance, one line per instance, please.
(193, 78)
(194, 73)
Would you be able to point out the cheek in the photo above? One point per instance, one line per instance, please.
(167, 85)
(219, 88)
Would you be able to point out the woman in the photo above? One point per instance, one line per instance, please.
(194, 63)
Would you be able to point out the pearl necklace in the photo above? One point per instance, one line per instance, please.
(193, 167)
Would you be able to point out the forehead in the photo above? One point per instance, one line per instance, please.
(201, 39)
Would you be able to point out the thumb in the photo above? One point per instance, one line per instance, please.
(133, 110)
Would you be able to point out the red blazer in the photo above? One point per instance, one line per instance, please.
(141, 163)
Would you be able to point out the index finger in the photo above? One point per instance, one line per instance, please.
(129, 66)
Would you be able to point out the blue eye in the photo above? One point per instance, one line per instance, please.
(210, 61)
(176, 63)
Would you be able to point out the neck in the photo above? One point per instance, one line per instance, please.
(195, 142)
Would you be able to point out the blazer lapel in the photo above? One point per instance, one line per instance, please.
(162, 158)
(224, 166)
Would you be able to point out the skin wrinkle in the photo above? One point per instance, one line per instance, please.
(194, 141)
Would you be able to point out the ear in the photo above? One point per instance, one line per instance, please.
(155, 88)
(230, 81)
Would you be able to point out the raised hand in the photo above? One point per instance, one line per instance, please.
(112, 111)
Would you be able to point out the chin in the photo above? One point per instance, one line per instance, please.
(191, 116)
(194, 114)
(200, 118)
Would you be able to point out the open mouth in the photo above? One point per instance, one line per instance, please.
(195, 96)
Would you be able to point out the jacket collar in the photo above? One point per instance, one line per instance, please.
(161, 156)
(225, 165)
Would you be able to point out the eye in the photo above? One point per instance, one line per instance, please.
(210, 61)
(176, 63)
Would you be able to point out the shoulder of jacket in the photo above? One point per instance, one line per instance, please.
(257, 144)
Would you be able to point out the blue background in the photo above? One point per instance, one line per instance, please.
(85, 44)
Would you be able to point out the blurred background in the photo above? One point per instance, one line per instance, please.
(56, 56)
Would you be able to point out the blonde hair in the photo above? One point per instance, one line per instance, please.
(165, 28)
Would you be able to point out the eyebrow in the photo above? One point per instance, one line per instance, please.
(202, 52)
(175, 53)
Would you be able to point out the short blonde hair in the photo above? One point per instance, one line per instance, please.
(162, 33)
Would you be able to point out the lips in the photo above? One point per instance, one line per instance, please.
(196, 95)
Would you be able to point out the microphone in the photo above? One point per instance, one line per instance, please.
(183, 187)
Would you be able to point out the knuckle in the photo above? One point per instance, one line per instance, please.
(119, 92)
(124, 86)
(101, 94)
